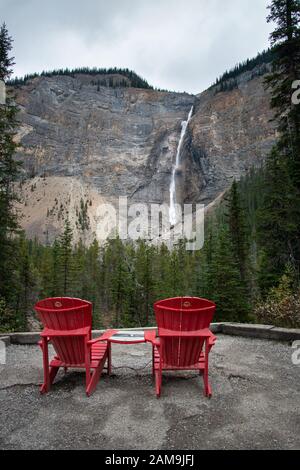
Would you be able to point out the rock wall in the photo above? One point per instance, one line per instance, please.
(231, 132)
(83, 144)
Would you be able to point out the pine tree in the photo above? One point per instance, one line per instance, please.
(9, 171)
(133, 312)
(277, 224)
(286, 70)
(228, 292)
(46, 272)
(208, 257)
(285, 40)
(80, 275)
(144, 278)
(162, 273)
(197, 273)
(92, 268)
(177, 269)
(6, 62)
(238, 230)
(55, 287)
(279, 215)
(28, 281)
(117, 279)
(65, 259)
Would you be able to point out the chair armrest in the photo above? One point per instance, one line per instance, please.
(40, 342)
(150, 337)
(104, 337)
(48, 333)
(212, 339)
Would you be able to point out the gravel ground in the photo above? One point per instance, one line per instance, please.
(255, 403)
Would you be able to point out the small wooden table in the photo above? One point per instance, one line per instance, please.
(127, 337)
(124, 337)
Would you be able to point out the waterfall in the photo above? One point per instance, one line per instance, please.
(172, 211)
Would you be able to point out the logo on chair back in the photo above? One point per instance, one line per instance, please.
(58, 304)
(187, 304)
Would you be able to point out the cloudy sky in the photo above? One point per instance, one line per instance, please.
(180, 45)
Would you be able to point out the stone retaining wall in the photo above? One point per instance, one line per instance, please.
(235, 329)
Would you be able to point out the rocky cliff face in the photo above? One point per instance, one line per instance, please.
(83, 144)
(230, 132)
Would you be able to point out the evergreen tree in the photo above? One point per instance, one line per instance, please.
(238, 230)
(93, 281)
(163, 282)
(117, 279)
(80, 275)
(135, 299)
(54, 270)
(28, 282)
(6, 61)
(208, 257)
(285, 40)
(279, 220)
(144, 278)
(197, 273)
(286, 69)
(277, 226)
(228, 292)
(9, 170)
(46, 271)
(65, 260)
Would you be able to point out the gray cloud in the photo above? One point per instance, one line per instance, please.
(175, 44)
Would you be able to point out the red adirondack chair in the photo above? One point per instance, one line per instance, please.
(184, 339)
(67, 325)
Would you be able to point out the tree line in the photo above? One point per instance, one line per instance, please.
(124, 279)
(135, 80)
(257, 66)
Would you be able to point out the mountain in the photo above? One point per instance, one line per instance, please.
(231, 132)
(84, 142)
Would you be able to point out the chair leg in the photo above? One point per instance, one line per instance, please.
(208, 391)
(158, 381)
(109, 358)
(153, 361)
(44, 388)
(52, 374)
(88, 376)
(207, 387)
(94, 379)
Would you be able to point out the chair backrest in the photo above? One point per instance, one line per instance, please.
(183, 314)
(65, 313)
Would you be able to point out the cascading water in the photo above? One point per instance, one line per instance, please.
(172, 210)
